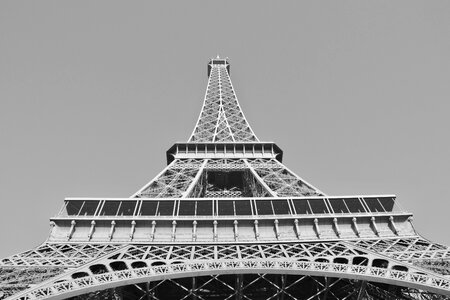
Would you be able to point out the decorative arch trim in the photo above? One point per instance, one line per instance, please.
(69, 288)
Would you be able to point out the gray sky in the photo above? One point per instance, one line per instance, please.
(92, 94)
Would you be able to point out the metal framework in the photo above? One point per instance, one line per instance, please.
(226, 219)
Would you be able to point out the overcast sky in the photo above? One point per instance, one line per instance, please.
(93, 93)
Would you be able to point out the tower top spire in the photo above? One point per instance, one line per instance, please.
(218, 61)
(221, 118)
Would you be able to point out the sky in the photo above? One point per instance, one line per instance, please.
(92, 94)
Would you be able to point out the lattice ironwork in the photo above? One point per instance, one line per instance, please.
(226, 219)
(147, 263)
(61, 255)
(281, 180)
(415, 248)
(271, 178)
(16, 279)
(248, 286)
(221, 118)
(102, 280)
(173, 181)
(260, 286)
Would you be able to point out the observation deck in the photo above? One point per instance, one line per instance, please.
(229, 220)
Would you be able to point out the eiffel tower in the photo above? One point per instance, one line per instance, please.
(226, 219)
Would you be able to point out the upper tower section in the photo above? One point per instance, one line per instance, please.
(221, 118)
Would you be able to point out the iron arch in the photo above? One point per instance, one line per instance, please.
(84, 285)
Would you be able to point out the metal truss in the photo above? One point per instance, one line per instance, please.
(59, 255)
(417, 250)
(226, 164)
(31, 267)
(243, 286)
(173, 181)
(226, 219)
(221, 118)
(16, 279)
(281, 180)
(386, 292)
(439, 266)
(104, 280)
(298, 251)
(409, 249)
(271, 178)
(260, 286)
(149, 263)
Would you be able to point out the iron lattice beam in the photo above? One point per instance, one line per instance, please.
(261, 231)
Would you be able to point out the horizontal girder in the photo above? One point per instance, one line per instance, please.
(144, 263)
(251, 150)
(73, 255)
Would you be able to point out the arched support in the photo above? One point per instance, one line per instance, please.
(62, 289)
